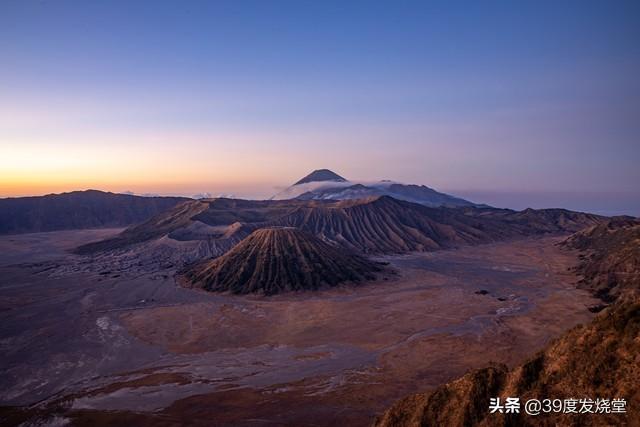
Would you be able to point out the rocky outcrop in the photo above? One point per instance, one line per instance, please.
(610, 260)
(600, 360)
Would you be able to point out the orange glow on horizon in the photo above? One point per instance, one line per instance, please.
(37, 169)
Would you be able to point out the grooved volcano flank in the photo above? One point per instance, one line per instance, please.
(279, 259)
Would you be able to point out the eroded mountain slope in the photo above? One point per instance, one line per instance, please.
(610, 263)
(599, 360)
(374, 225)
(279, 259)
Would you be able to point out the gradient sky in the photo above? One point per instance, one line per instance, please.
(508, 103)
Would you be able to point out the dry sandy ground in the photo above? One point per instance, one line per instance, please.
(137, 350)
(35, 247)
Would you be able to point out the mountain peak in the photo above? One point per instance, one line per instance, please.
(321, 175)
(278, 259)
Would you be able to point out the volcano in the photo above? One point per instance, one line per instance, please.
(321, 175)
(204, 229)
(279, 259)
(324, 184)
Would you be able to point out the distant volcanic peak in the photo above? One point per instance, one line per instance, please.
(279, 259)
(324, 184)
(342, 190)
(321, 175)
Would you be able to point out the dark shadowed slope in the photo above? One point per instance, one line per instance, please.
(178, 217)
(408, 192)
(599, 360)
(610, 264)
(541, 220)
(273, 260)
(77, 210)
(223, 211)
(388, 225)
(424, 195)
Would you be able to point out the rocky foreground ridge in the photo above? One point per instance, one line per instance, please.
(598, 360)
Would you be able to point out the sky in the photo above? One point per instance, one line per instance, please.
(509, 103)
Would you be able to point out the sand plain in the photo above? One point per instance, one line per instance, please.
(102, 347)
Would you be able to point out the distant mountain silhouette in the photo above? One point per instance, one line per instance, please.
(321, 175)
(324, 184)
(77, 210)
(279, 259)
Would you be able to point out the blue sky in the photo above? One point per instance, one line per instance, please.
(486, 99)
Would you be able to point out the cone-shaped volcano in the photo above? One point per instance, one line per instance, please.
(279, 259)
(321, 175)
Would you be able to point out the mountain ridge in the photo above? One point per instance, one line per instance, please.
(610, 257)
(324, 184)
(78, 210)
(597, 360)
(202, 229)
